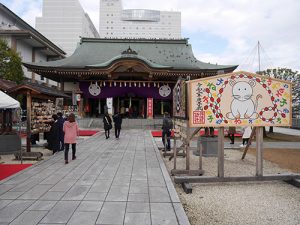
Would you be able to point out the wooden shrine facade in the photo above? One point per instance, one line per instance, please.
(127, 74)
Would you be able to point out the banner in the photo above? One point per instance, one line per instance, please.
(109, 104)
(180, 100)
(239, 99)
(149, 107)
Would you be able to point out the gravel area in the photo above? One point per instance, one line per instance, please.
(272, 203)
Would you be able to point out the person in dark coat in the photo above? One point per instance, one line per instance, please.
(107, 124)
(231, 132)
(166, 130)
(53, 138)
(60, 121)
(118, 123)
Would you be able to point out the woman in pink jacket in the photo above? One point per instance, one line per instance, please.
(71, 132)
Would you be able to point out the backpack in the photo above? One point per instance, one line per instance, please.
(168, 123)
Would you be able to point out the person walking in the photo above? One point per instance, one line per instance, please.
(231, 133)
(53, 137)
(246, 136)
(71, 130)
(107, 124)
(118, 123)
(60, 121)
(166, 130)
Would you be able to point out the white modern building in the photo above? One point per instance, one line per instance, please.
(64, 22)
(116, 22)
(31, 45)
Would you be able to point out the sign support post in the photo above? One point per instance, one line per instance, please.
(221, 152)
(259, 151)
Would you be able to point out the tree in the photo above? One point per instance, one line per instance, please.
(288, 75)
(10, 63)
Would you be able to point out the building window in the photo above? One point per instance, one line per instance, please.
(42, 78)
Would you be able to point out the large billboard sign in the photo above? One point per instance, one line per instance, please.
(239, 99)
(180, 100)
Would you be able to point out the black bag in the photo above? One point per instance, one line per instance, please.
(108, 124)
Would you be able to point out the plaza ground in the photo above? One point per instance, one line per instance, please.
(130, 172)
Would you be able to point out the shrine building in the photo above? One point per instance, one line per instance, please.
(132, 76)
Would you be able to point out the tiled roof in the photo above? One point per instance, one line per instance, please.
(157, 54)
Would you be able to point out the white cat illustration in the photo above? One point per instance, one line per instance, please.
(242, 106)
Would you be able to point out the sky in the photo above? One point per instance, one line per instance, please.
(220, 31)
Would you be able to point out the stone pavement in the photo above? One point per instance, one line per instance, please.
(111, 182)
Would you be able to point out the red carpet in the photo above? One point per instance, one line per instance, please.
(81, 133)
(87, 132)
(7, 170)
(158, 133)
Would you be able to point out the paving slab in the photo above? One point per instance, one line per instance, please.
(112, 181)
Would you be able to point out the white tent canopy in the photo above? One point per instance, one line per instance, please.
(7, 102)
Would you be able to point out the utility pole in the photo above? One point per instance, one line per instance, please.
(258, 52)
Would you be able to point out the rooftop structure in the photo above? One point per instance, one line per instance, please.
(116, 22)
(101, 58)
(64, 22)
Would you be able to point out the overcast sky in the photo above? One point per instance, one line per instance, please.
(220, 31)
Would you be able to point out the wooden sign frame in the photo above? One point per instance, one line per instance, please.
(222, 102)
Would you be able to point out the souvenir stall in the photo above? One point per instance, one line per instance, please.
(10, 141)
(40, 106)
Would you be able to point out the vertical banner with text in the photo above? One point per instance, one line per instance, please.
(149, 107)
(109, 103)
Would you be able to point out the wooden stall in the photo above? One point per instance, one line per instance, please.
(35, 94)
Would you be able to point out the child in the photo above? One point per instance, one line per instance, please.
(246, 136)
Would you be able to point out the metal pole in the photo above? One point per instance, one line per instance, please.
(28, 129)
(20, 127)
(175, 152)
(258, 51)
